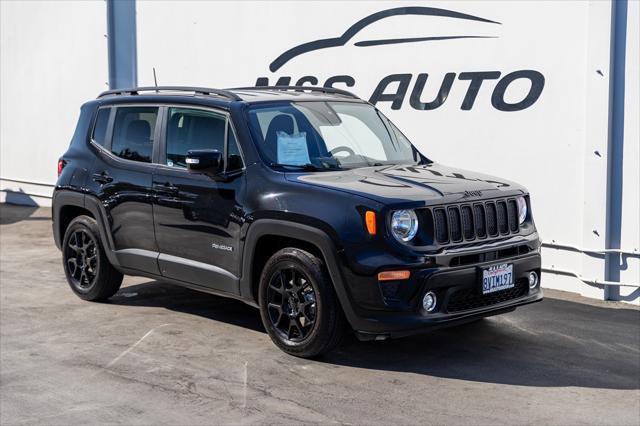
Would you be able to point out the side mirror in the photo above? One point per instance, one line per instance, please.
(208, 161)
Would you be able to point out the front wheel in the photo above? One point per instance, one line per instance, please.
(298, 304)
(88, 271)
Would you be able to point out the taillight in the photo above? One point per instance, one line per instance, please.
(61, 164)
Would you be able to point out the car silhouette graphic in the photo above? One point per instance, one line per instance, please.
(364, 22)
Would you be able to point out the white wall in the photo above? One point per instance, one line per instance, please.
(58, 52)
(53, 57)
(550, 147)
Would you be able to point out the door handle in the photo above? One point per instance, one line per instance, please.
(102, 178)
(166, 187)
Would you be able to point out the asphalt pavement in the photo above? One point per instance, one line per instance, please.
(161, 354)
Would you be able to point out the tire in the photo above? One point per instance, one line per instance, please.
(88, 271)
(298, 305)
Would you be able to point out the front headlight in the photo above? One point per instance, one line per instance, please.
(404, 225)
(522, 209)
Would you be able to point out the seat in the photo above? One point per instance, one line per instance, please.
(207, 133)
(139, 143)
(279, 123)
(139, 131)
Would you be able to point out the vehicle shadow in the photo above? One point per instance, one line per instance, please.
(180, 299)
(555, 343)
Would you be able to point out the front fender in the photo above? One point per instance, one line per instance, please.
(299, 231)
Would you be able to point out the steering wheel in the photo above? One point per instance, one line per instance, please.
(342, 148)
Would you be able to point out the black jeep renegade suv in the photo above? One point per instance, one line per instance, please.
(305, 202)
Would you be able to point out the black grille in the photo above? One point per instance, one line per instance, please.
(440, 224)
(454, 224)
(390, 289)
(503, 226)
(480, 220)
(469, 222)
(512, 214)
(492, 223)
(467, 299)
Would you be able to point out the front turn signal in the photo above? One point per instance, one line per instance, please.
(394, 275)
(370, 221)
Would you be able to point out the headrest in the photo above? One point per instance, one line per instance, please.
(139, 130)
(280, 123)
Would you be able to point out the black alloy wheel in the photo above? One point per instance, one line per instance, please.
(81, 257)
(86, 265)
(298, 304)
(291, 303)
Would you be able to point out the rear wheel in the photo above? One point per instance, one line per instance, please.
(298, 305)
(88, 271)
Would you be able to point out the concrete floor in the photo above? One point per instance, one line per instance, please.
(160, 354)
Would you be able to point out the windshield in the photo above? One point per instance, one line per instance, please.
(328, 135)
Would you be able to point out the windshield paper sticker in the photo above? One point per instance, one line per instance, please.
(292, 149)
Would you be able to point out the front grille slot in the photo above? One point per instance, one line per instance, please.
(512, 214)
(470, 298)
(467, 223)
(480, 220)
(471, 259)
(492, 222)
(440, 225)
(453, 224)
(503, 225)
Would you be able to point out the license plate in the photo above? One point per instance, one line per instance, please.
(497, 277)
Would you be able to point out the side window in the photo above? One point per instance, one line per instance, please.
(234, 161)
(133, 133)
(189, 129)
(100, 128)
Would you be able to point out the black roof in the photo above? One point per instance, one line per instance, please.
(246, 94)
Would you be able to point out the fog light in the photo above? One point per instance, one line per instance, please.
(429, 302)
(533, 279)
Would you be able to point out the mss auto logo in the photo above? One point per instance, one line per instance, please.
(402, 81)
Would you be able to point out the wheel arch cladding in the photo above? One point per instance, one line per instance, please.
(278, 230)
(70, 212)
(89, 205)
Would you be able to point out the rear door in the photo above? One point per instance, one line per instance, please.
(121, 177)
(198, 218)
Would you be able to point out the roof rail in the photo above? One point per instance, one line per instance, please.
(330, 90)
(157, 89)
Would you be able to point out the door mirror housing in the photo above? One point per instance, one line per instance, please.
(207, 161)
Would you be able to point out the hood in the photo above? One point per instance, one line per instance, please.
(397, 184)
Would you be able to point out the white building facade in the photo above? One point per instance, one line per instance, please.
(543, 93)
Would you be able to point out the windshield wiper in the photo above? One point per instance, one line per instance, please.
(306, 167)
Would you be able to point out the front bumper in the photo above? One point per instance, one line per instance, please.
(459, 295)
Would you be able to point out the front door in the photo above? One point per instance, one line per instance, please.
(198, 217)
